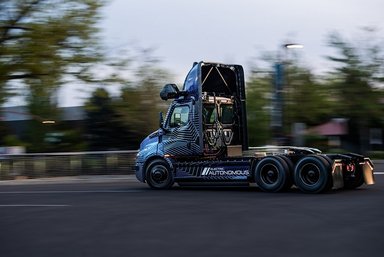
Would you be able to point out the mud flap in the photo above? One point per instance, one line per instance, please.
(337, 174)
(367, 165)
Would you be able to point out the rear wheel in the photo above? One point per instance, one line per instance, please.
(290, 171)
(159, 175)
(272, 174)
(313, 174)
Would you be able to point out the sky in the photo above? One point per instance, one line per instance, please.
(182, 32)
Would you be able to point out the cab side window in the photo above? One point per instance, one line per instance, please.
(179, 116)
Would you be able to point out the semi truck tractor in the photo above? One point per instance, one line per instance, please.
(203, 140)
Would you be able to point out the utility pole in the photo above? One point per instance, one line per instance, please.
(279, 85)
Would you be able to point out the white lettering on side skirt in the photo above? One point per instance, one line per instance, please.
(218, 171)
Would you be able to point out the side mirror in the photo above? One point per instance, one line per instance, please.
(169, 91)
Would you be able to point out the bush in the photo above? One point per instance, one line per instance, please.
(378, 155)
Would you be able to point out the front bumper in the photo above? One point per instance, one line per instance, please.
(139, 171)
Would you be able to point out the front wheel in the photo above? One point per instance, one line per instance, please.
(159, 175)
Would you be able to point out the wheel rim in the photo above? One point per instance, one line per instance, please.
(159, 174)
(310, 174)
(269, 174)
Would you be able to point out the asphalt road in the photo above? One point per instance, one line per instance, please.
(121, 217)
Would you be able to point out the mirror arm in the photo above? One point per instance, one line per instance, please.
(161, 122)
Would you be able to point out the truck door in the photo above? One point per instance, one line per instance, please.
(180, 137)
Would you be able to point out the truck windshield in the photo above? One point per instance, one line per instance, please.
(226, 114)
(209, 113)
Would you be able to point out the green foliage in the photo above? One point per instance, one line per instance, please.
(378, 155)
(12, 140)
(43, 45)
(355, 84)
(140, 102)
(104, 129)
(123, 122)
(35, 136)
(306, 100)
(358, 71)
(4, 132)
(42, 42)
(258, 111)
(65, 140)
(46, 44)
(353, 90)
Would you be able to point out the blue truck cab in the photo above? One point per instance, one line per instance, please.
(204, 139)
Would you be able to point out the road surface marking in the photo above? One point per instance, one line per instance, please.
(378, 173)
(34, 205)
(72, 191)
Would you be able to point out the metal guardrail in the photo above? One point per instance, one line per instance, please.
(77, 163)
(66, 164)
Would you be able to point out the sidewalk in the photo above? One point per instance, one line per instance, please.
(72, 179)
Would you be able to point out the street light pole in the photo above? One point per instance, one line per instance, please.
(280, 82)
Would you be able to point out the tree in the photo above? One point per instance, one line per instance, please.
(139, 103)
(43, 45)
(45, 41)
(123, 122)
(259, 91)
(356, 83)
(104, 127)
(306, 99)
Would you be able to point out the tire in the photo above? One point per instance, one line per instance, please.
(313, 175)
(329, 160)
(352, 182)
(159, 175)
(290, 171)
(272, 174)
